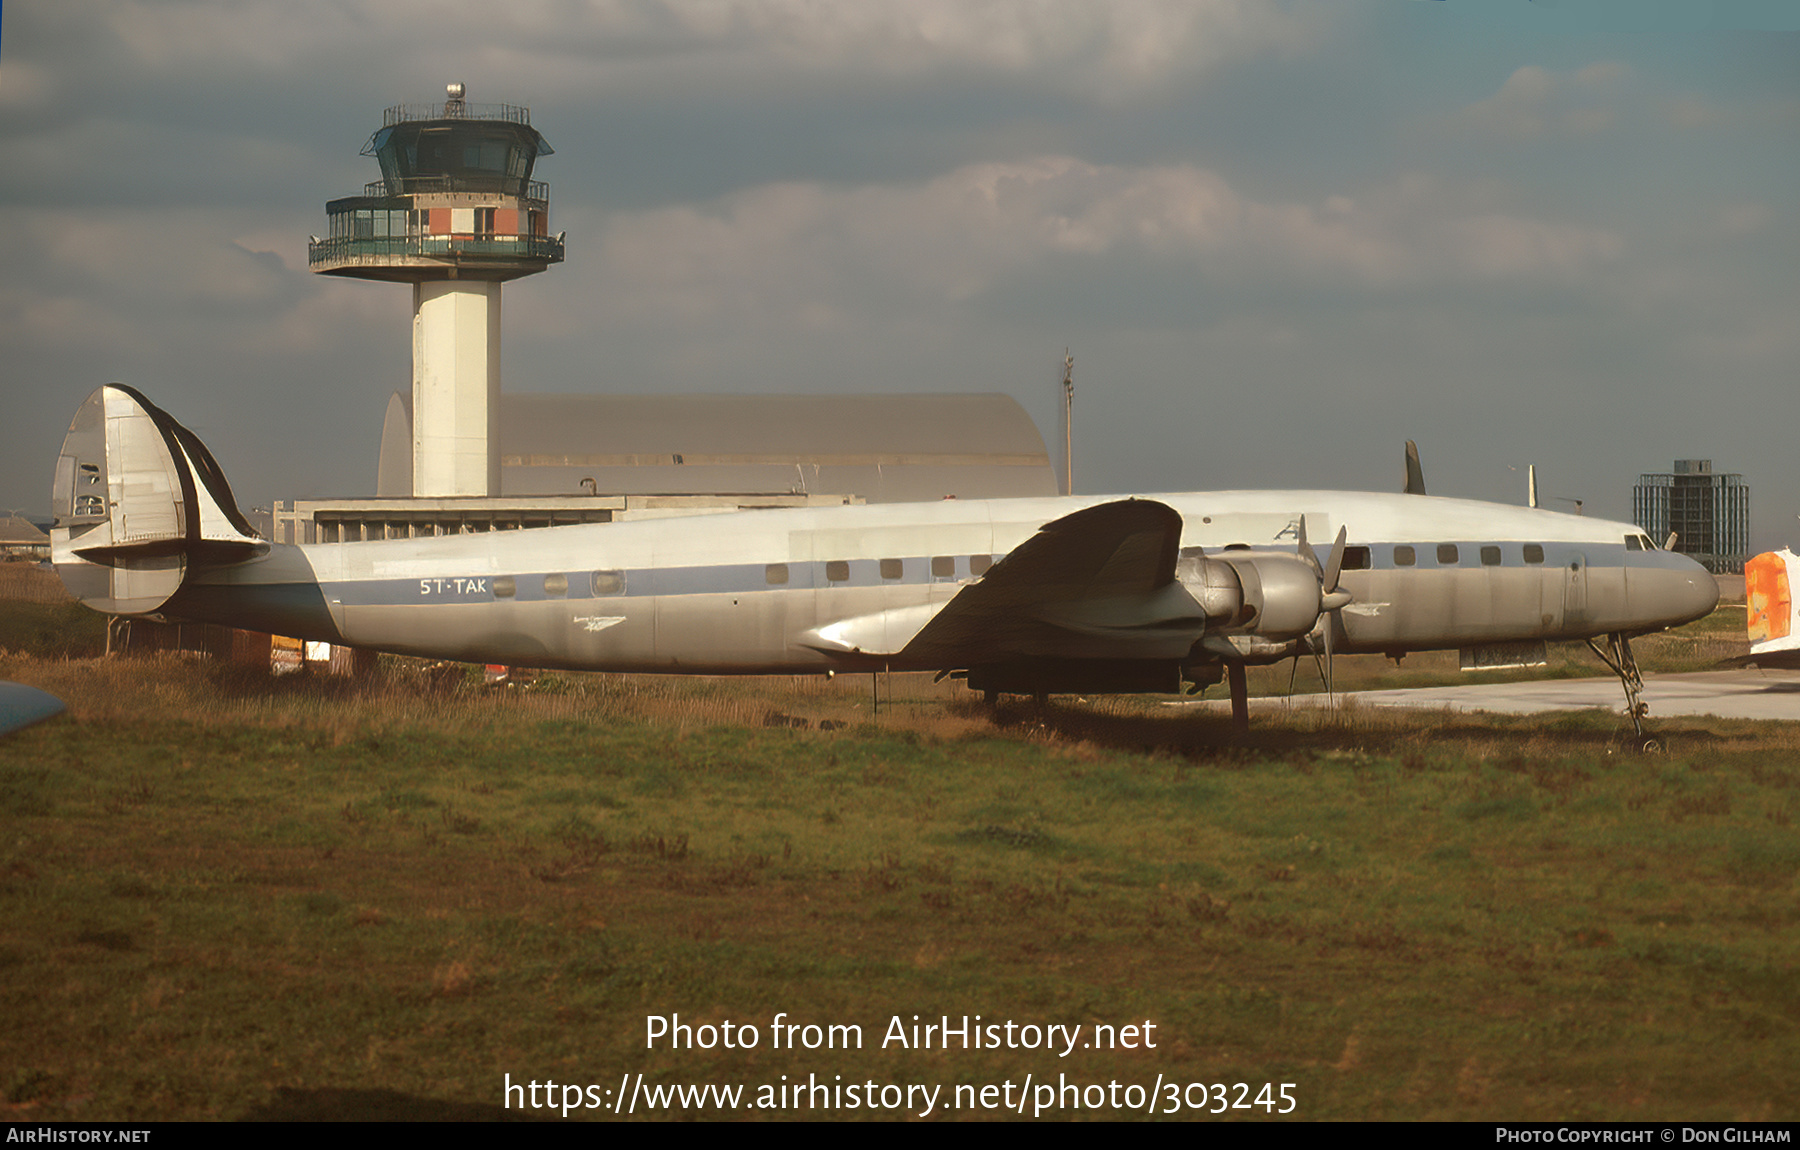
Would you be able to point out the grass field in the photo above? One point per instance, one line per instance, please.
(225, 896)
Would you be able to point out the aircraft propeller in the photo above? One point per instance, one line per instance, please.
(1332, 600)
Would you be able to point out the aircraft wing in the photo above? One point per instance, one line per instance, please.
(1096, 584)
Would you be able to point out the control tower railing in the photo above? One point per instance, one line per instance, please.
(382, 249)
(455, 110)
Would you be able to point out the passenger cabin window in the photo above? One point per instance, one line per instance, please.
(943, 566)
(1534, 553)
(979, 564)
(775, 574)
(892, 569)
(837, 571)
(1404, 556)
(1356, 559)
(505, 587)
(557, 584)
(609, 582)
(1490, 556)
(1447, 556)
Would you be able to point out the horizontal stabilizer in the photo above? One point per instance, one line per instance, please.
(138, 499)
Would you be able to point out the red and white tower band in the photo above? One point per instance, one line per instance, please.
(455, 214)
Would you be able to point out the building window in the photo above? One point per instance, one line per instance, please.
(1405, 556)
(1447, 556)
(892, 569)
(837, 571)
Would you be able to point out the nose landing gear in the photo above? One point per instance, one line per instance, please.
(1619, 659)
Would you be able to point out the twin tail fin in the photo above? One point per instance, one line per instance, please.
(138, 502)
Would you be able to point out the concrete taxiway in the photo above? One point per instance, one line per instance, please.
(1745, 694)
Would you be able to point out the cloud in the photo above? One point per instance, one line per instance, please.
(149, 279)
(815, 252)
(1105, 49)
(1535, 101)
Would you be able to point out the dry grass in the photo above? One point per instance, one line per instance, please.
(224, 895)
(24, 582)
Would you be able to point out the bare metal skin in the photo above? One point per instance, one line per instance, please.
(1025, 595)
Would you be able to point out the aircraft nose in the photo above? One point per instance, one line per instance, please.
(1679, 594)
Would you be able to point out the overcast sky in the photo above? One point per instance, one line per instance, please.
(1280, 238)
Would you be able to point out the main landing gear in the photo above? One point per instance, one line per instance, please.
(1240, 696)
(1618, 657)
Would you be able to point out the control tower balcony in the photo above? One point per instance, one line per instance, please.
(456, 199)
(385, 238)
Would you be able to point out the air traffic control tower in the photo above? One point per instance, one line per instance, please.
(455, 214)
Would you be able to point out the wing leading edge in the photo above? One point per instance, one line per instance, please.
(1098, 584)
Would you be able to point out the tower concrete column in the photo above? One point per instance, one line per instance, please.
(455, 214)
(456, 388)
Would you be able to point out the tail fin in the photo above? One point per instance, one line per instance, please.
(1415, 474)
(138, 499)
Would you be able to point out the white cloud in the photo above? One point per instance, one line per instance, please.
(1534, 101)
(818, 249)
(1106, 50)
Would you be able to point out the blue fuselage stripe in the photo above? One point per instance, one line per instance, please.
(747, 578)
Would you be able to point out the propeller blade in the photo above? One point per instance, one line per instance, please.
(1328, 629)
(1328, 578)
(1306, 549)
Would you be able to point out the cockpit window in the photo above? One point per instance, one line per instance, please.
(1634, 543)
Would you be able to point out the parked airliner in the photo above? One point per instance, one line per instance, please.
(1092, 594)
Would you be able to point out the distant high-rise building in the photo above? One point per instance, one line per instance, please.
(1708, 512)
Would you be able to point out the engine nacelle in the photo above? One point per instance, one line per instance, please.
(1271, 595)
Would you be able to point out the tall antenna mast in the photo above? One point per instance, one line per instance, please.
(1068, 423)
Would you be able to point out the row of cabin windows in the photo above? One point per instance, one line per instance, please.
(838, 570)
(556, 584)
(944, 567)
(604, 583)
(1449, 555)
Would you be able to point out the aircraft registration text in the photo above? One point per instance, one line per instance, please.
(471, 586)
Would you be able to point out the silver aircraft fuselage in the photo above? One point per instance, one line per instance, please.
(762, 591)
